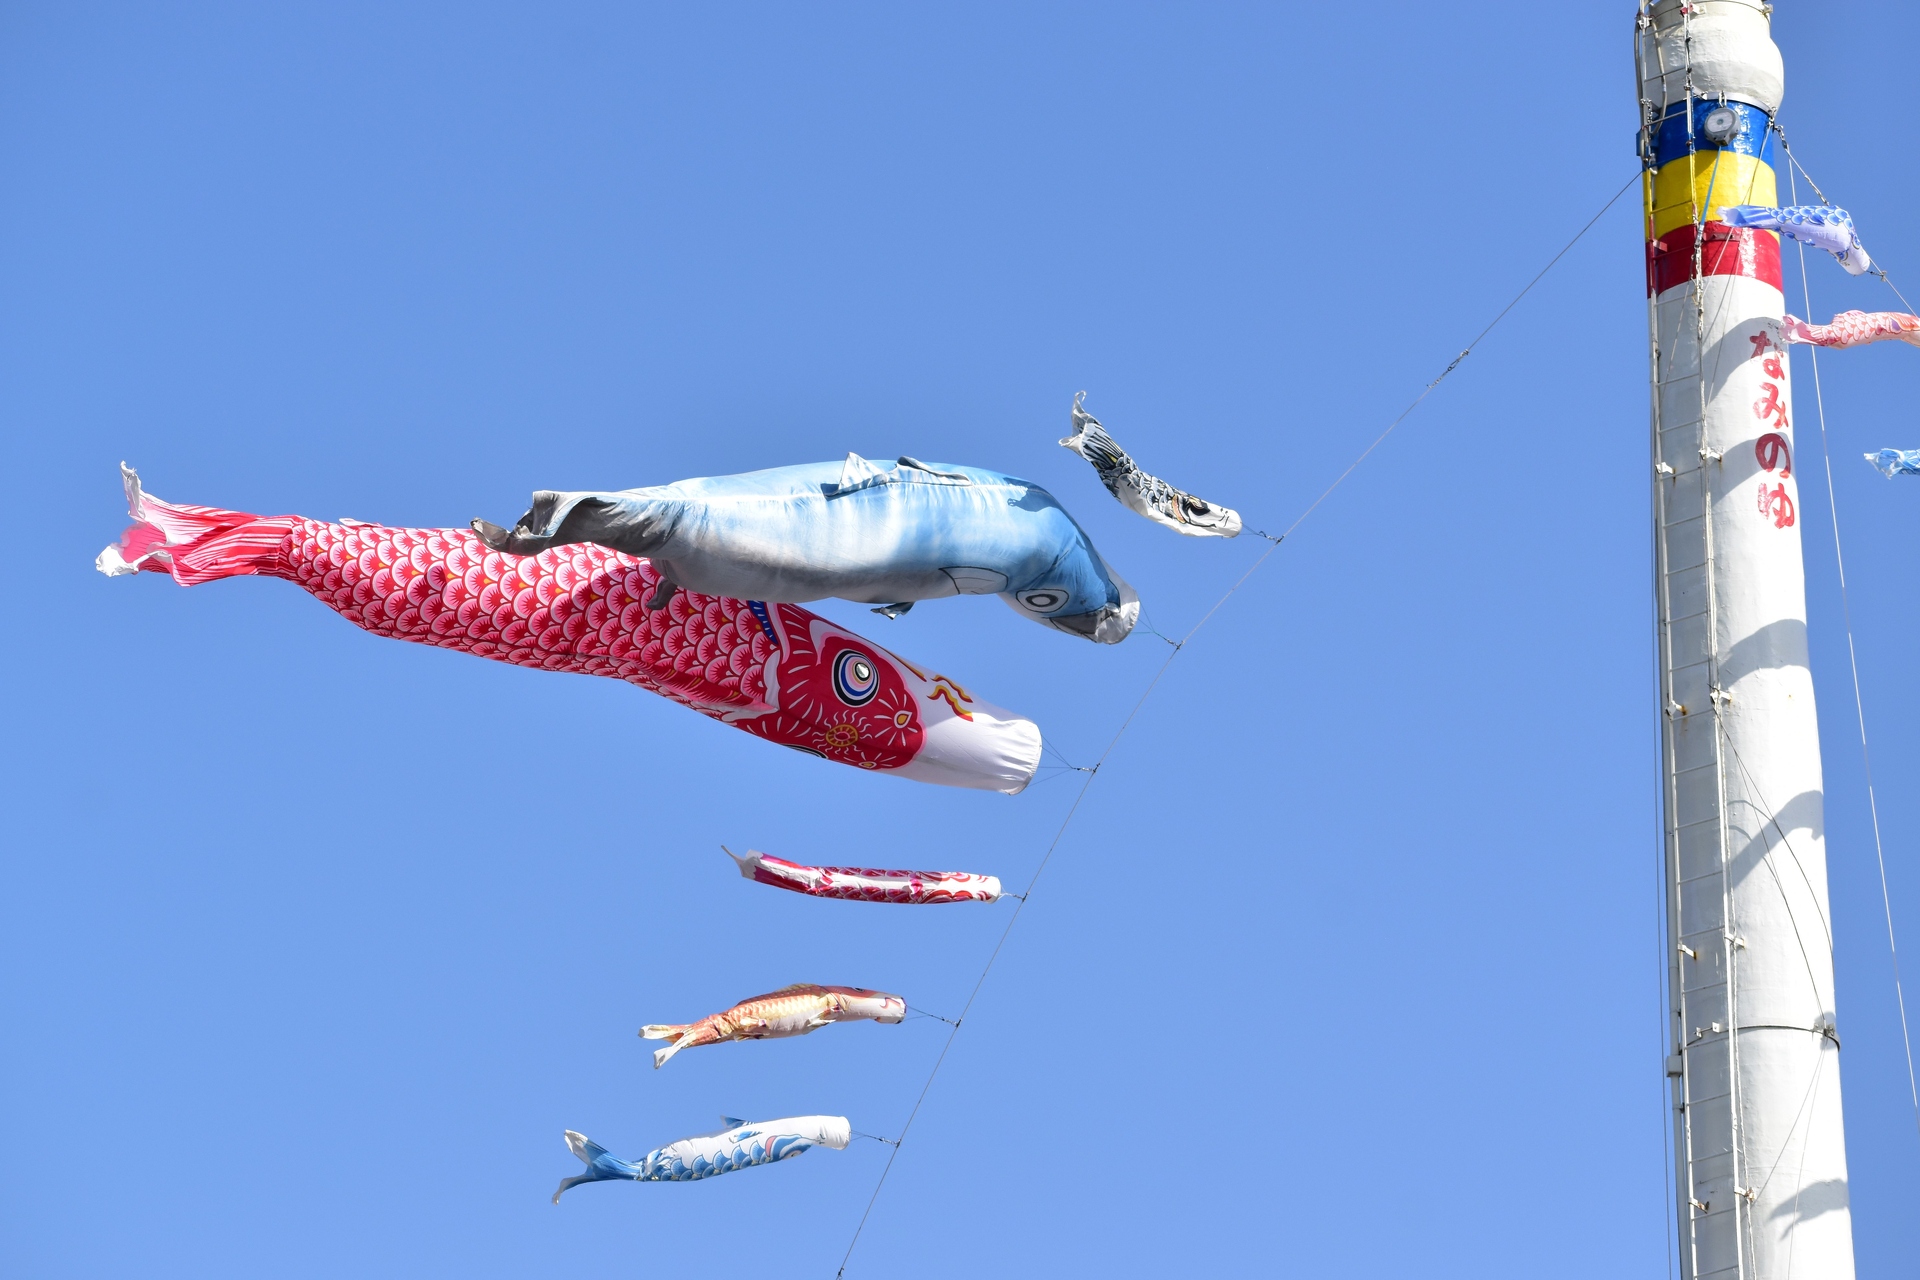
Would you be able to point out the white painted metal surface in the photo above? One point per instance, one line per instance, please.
(1728, 45)
(1760, 1151)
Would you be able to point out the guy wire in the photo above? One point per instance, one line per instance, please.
(1093, 772)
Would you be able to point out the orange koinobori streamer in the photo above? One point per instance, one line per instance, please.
(791, 1011)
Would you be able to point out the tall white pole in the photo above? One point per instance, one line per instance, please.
(1754, 1065)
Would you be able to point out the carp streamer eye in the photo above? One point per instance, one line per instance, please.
(1044, 600)
(854, 678)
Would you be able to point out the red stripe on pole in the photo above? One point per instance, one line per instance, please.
(1728, 251)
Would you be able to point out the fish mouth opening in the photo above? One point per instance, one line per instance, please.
(995, 750)
(1109, 624)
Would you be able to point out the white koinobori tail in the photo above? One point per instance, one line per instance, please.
(676, 1037)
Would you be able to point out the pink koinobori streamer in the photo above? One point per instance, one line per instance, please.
(1854, 329)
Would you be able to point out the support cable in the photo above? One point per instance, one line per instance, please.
(1178, 646)
(1853, 658)
(1756, 800)
(1743, 1219)
(1669, 988)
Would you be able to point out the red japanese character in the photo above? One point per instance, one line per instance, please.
(1778, 503)
(1774, 453)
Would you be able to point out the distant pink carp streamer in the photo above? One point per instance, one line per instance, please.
(776, 671)
(1855, 329)
(868, 884)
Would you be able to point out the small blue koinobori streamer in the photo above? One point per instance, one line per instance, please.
(1821, 225)
(1895, 462)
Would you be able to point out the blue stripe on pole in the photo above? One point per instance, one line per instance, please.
(1670, 139)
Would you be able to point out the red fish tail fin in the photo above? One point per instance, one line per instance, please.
(194, 544)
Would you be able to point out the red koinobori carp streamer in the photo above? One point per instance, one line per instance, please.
(868, 884)
(778, 671)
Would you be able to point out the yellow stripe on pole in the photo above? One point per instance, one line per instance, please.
(1720, 178)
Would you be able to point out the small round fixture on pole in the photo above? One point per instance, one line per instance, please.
(1721, 126)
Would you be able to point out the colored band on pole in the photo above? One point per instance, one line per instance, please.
(1727, 251)
(1692, 178)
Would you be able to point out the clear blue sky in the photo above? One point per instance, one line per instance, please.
(311, 944)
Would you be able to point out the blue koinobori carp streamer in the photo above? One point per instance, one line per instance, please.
(1820, 225)
(887, 536)
(1896, 462)
(1149, 495)
(740, 1145)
